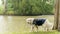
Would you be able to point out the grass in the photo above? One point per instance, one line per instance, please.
(43, 32)
(40, 32)
(18, 25)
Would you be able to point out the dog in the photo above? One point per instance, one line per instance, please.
(35, 22)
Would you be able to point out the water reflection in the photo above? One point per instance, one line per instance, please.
(9, 19)
(11, 24)
(4, 23)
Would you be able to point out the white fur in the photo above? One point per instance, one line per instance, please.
(47, 25)
(29, 20)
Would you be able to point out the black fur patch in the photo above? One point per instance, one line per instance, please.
(39, 21)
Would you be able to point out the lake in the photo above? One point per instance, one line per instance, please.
(18, 23)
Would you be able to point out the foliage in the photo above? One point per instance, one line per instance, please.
(1, 9)
(31, 7)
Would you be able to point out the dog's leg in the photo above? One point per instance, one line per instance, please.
(32, 28)
(50, 29)
(36, 28)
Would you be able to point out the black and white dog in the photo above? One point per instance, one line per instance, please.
(35, 22)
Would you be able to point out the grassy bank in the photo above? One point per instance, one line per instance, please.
(40, 32)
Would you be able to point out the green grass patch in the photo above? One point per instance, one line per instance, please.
(40, 32)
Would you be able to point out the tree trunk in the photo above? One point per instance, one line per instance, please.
(57, 15)
(5, 6)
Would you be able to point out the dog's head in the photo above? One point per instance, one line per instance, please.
(29, 20)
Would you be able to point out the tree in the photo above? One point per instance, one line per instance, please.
(32, 7)
(5, 5)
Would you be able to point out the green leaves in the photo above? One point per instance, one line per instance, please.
(32, 7)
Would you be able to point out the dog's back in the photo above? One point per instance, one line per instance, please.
(39, 21)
